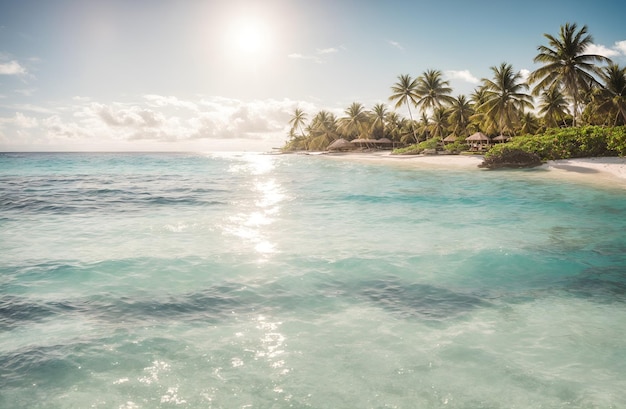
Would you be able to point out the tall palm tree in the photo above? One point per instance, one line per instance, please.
(393, 126)
(505, 97)
(352, 125)
(529, 124)
(565, 63)
(480, 121)
(297, 121)
(423, 126)
(439, 123)
(323, 130)
(404, 92)
(432, 90)
(461, 111)
(379, 115)
(611, 99)
(553, 106)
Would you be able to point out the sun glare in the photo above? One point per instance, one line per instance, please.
(249, 36)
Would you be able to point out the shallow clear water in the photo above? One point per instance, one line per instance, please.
(256, 281)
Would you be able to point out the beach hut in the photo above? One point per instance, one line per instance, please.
(478, 141)
(363, 143)
(449, 139)
(384, 143)
(340, 145)
(501, 139)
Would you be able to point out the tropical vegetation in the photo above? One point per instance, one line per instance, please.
(573, 105)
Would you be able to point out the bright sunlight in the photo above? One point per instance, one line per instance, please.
(249, 36)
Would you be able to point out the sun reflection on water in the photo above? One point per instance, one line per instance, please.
(272, 344)
(259, 212)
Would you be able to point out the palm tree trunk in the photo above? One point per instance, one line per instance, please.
(412, 122)
(575, 110)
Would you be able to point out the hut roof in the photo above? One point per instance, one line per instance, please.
(450, 138)
(501, 138)
(340, 144)
(478, 136)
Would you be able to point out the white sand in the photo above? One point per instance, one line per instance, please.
(613, 166)
(441, 161)
(587, 170)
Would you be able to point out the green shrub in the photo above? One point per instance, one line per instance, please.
(507, 157)
(616, 140)
(458, 146)
(418, 147)
(589, 141)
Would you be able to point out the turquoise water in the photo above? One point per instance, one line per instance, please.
(265, 281)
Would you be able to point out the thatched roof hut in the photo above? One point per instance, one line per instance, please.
(478, 141)
(363, 142)
(501, 138)
(449, 139)
(340, 145)
(478, 137)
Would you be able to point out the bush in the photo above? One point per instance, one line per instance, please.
(616, 140)
(508, 157)
(418, 147)
(589, 141)
(458, 146)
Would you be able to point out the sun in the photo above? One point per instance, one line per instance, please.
(249, 36)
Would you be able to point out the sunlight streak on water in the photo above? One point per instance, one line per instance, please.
(260, 209)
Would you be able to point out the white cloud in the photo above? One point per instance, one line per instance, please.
(463, 75)
(20, 121)
(319, 55)
(30, 108)
(12, 68)
(524, 73)
(618, 49)
(162, 101)
(153, 122)
(58, 129)
(330, 50)
(621, 46)
(396, 45)
(131, 117)
(23, 121)
(599, 49)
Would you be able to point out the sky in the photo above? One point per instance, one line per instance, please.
(226, 75)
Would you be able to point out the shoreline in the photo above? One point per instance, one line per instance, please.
(595, 170)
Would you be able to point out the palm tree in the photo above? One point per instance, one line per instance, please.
(529, 124)
(566, 64)
(439, 123)
(323, 130)
(480, 121)
(505, 97)
(611, 99)
(460, 112)
(424, 126)
(352, 124)
(404, 92)
(297, 121)
(393, 126)
(553, 107)
(432, 90)
(379, 113)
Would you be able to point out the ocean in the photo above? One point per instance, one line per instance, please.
(242, 280)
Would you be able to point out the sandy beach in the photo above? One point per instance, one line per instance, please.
(602, 170)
